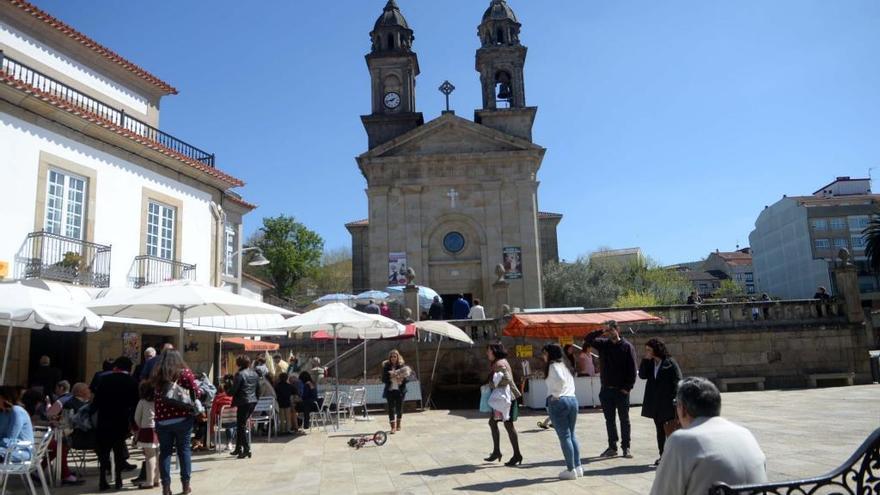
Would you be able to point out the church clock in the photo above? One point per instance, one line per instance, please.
(392, 100)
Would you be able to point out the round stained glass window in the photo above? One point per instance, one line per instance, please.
(453, 242)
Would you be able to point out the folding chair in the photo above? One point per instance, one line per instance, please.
(358, 399)
(38, 451)
(344, 405)
(228, 419)
(323, 412)
(264, 413)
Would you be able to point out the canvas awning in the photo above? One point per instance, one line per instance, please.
(555, 325)
(249, 345)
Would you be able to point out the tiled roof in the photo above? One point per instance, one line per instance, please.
(736, 258)
(102, 122)
(91, 44)
(237, 199)
(257, 280)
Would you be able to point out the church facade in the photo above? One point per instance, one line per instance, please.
(453, 198)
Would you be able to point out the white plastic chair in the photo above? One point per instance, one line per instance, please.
(358, 399)
(264, 413)
(24, 469)
(227, 419)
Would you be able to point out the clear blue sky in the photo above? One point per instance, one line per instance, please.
(669, 125)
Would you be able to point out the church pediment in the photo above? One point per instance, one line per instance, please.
(449, 134)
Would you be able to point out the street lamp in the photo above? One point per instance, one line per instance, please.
(259, 259)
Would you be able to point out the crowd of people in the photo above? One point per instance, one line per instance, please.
(697, 447)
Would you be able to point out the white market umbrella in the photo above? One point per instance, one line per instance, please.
(346, 299)
(29, 307)
(426, 295)
(178, 301)
(341, 321)
(443, 329)
(376, 296)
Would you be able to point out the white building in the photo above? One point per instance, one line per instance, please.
(797, 238)
(95, 194)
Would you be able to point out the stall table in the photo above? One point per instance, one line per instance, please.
(586, 389)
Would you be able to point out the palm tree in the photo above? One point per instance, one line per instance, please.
(871, 235)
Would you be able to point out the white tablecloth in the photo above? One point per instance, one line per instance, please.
(586, 389)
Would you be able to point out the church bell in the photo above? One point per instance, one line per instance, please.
(504, 92)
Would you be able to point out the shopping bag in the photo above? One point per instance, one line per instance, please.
(485, 392)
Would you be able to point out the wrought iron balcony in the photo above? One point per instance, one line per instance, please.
(148, 270)
(57, 89)
(64, 259)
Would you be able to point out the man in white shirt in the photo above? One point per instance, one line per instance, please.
(708, 449)
(477, 312)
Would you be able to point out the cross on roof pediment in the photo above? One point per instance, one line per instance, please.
(449, 134)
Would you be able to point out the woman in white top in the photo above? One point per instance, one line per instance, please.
(563, 409)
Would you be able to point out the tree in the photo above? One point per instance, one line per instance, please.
(294, 252)
(606, 282)
(332, 277)
(729, 290)
(871, 235)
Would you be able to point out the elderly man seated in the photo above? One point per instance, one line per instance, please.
(708, 449)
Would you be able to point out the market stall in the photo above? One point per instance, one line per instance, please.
(568, 328)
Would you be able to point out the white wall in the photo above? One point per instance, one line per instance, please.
(71, 68)
(118, 198)
(782, 254)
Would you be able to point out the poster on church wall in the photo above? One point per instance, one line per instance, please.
(513, 263)
(131, 346)
(397, 269)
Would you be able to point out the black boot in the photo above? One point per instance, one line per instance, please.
(103, 486)
(118, 479)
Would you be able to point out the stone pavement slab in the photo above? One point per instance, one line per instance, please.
(803, 433)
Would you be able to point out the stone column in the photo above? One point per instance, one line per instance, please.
(501, 289)
(411, 300)
(847, 278)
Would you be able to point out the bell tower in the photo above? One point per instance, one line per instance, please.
(501, 60)
(393, 69)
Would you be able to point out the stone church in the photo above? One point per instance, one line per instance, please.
(453, 198)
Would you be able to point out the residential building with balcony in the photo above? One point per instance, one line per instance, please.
(796, 240)
(735, 265)
(96, 194)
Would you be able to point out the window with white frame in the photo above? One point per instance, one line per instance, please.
(161, 220)
(841, 244)
(820, 224)
(65, 204)
(858, 242)
(823, 244)
(837, 224)
(750, 277)
(229, 265)
(859, 222)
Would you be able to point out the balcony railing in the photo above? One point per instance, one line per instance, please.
(148, 270)
(64, 259)
(46, 84)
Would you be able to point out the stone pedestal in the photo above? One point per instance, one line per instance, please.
(502, 298)
(847, 280)
(411, 301)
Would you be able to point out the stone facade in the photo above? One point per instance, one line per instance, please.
(455, 197)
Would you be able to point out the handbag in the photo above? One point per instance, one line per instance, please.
(485, 392)
(178, 397)
(669, 427)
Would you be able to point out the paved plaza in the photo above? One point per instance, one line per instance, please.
(803, 432)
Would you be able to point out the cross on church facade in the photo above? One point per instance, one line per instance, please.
(452, 195)
(447, 88)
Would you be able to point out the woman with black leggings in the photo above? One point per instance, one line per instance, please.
(394, 374)
(244, 398)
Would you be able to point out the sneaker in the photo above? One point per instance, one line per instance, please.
(568, 475)
(627, 454)
(609, 452)
(580, 471)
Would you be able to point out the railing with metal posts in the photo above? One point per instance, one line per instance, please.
(64, 259)
(46, 84)
(148, 270)
(859, 475)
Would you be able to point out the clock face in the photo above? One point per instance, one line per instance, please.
(392, 100)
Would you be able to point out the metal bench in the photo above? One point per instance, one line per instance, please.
(859, 475)
(814, 379)
(757, 380)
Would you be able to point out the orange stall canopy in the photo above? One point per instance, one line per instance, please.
(552, 326)
(249, 345)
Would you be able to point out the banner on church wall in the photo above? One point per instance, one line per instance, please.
(513, 263)
(397, 269)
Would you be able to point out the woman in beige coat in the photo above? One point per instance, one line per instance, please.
(497, 355)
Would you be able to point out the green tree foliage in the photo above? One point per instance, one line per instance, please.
(332, 277)
(729, 290)
(294, 252)
(603, 283)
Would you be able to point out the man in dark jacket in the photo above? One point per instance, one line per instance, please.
(437, 310)
(461, 308)
(115, 401)
(45, 376)
(617, 357)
